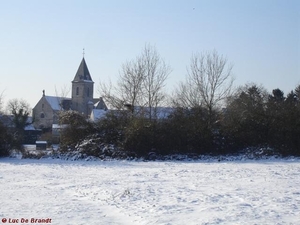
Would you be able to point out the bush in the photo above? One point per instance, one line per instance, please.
(284, 114)
(112, 127)
(252, 118)
(77, 129)
(245, 122)
(5, 141)
(186, 131)
(139, 136)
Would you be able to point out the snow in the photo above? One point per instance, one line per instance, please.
(54, 102)
(159, 112)
(98, 114)
(136, 192)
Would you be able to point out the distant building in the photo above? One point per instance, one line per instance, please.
(46, 111)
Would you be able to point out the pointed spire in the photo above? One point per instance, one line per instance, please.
(83, 73)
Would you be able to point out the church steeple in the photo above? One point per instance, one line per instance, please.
(83, 73)
(82, 90)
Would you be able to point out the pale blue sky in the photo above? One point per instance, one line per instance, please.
(42, 40)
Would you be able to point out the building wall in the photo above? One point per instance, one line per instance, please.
(44, 116)
(82, 94)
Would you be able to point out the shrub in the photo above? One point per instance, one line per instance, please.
(5, 141)
(76, 129)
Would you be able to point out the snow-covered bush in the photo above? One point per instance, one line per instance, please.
(76, 129)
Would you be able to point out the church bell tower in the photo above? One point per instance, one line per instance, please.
(82, 90)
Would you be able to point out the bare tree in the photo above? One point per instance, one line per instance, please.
(156, 73)
(64, 91)
(16, 105)
(187, 95)
(110, 94)
(130, 82)
(129, 86)
(208, 83)
(141, 82)
(62, 95)
(20, 110)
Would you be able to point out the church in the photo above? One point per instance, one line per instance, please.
(46, 111)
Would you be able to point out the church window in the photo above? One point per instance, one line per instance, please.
(77, 91)
(88, 92)
(42, 115)
(42, 106)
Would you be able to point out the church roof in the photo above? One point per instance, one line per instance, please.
(55, 102)
(83, 73)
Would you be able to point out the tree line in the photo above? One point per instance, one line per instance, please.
(206, 114)
(252, 118)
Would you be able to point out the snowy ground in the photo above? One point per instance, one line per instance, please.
(125, 192)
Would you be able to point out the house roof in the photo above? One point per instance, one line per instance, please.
(158, 112)
(100, 104)
(98, 114)
(83, 73)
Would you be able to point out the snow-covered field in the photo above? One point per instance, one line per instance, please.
(128, 192)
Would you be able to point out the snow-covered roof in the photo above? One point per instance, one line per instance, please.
(100, 104)
(164, 112)
(98, 114)
(158, 112)
(59, 126)
(41, 142)
(29, 127)
(55, 102)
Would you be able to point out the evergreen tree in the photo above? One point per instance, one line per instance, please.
(244, 122)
